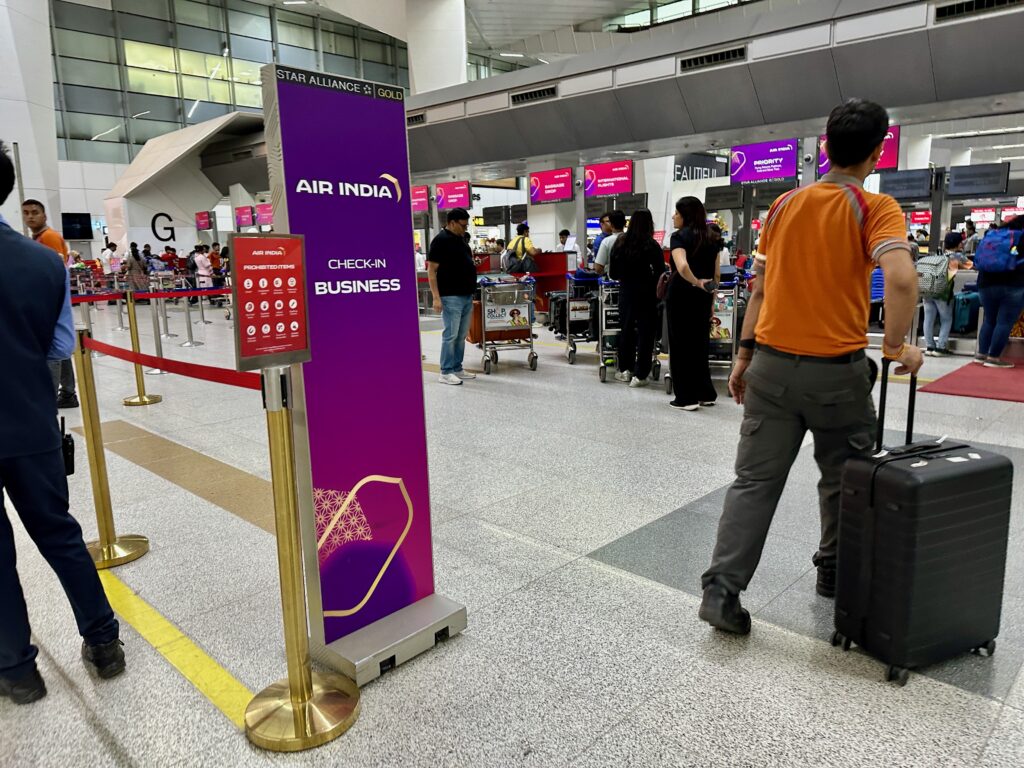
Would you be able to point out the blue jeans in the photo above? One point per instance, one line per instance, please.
(944, 311)
(1002, 305)
(456, 312)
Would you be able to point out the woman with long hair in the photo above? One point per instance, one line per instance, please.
(695, 272)
(637, 263)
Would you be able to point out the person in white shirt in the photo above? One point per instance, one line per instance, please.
(563, 237)
(107, 256)
(204, 269)
(617, 220)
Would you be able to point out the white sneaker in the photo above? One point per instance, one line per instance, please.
(449, 378)
(636, 383)
(465, 375)
(623, 376)
(990, 363)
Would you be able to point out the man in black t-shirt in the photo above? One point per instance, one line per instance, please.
(453, 281)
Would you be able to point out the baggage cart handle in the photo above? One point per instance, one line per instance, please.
(911, 405)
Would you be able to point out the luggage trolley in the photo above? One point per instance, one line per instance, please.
(579, 327)
(609, 328)
(505, 319)
(729, 308)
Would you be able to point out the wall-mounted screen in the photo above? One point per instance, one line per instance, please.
(551, 186)
(890, 159)
(420, 198)
(766, 161)
(906, 185)
(244, 216)
(608, 179)
(204, 221)
(76, 226)
(970, 180)
(453, 194)
(265, 214)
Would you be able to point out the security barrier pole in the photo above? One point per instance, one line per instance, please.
(202, 314)
(110, 549)
(140, 384)
(120, 313)
(157, 343)
(163, 311)
(306, 709)
(188, 328)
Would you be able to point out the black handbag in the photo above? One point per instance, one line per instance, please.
(67, 449)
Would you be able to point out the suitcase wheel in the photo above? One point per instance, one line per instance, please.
(487, 366)
(987, 649)
(898, 675)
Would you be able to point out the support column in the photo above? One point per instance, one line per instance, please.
(916, 153)
(656, 176)
(239, 197)
(26, 103)
(437, 43)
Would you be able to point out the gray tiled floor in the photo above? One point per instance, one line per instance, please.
(567, 660)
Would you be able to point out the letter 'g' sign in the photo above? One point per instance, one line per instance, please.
(269, 295)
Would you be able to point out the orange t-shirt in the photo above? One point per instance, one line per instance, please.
(820, 244)
(51, 239)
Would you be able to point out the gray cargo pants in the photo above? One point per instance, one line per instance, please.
(63, 374)
(785, 398)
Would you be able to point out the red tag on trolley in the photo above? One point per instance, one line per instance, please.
(269, 294)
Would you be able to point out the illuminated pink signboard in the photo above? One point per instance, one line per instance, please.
(551, 186)
(453, 194)
(608, 179)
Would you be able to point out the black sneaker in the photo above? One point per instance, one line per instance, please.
(108, 659)
(826, 580)
(25, 690)
(722, 610)
(67, 401)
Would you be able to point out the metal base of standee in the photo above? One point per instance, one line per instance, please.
(375, 649)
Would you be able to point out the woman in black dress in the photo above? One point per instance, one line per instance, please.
(689, 302)
(636, 263)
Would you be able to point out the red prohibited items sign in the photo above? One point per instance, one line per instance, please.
(269, 292)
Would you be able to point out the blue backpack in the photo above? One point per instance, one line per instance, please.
(998, 251)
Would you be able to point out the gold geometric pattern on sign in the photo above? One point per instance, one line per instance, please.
(352, 525)
(345, 510)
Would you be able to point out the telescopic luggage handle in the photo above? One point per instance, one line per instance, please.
(886, 362)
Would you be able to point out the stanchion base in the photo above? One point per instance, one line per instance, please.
(191, 344)
(142, 400)
(123, 550)
(120, 328)
(203, 322)
(168, 335)
(271, 721)
(155, 372)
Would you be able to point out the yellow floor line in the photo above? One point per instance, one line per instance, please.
(209, 678)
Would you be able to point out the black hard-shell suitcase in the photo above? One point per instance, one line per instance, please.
(923, 533)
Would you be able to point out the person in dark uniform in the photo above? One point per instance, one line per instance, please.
(36, 326)
(689, 301)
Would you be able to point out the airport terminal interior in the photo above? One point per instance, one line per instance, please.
(340, 547)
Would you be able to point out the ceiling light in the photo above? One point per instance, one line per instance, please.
(1000, 146)
(192, 111)
(140, 114)
(543, 61)
(986, 132)
(1016, 157)
(294, 2)
(512, 55)
(99, 135)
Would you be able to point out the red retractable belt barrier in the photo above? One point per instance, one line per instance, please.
(89, 298)
(204, 372)
(184, 294)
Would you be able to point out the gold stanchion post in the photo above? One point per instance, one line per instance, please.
(110, 549)
(140, 383)
(306, 709)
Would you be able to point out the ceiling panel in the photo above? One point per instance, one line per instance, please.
(498, 136)
(721, 98)
(596, 118)
(892, 71)
(502, 22)
(971, 59)
(423, 153)
(456, 142)
(780, 101)
(654, 110)
(544, 129)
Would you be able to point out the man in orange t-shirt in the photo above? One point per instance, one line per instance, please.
(807, 320)
(33, 213)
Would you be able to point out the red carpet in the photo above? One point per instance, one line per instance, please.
(973, 380)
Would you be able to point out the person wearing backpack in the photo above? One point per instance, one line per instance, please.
(999, 259)
(518, 259)
(935, 286)
(637, 262)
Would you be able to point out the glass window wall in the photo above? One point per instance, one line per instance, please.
(199, 14)
(82, 45)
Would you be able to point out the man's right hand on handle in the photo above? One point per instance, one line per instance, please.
(909, 360)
